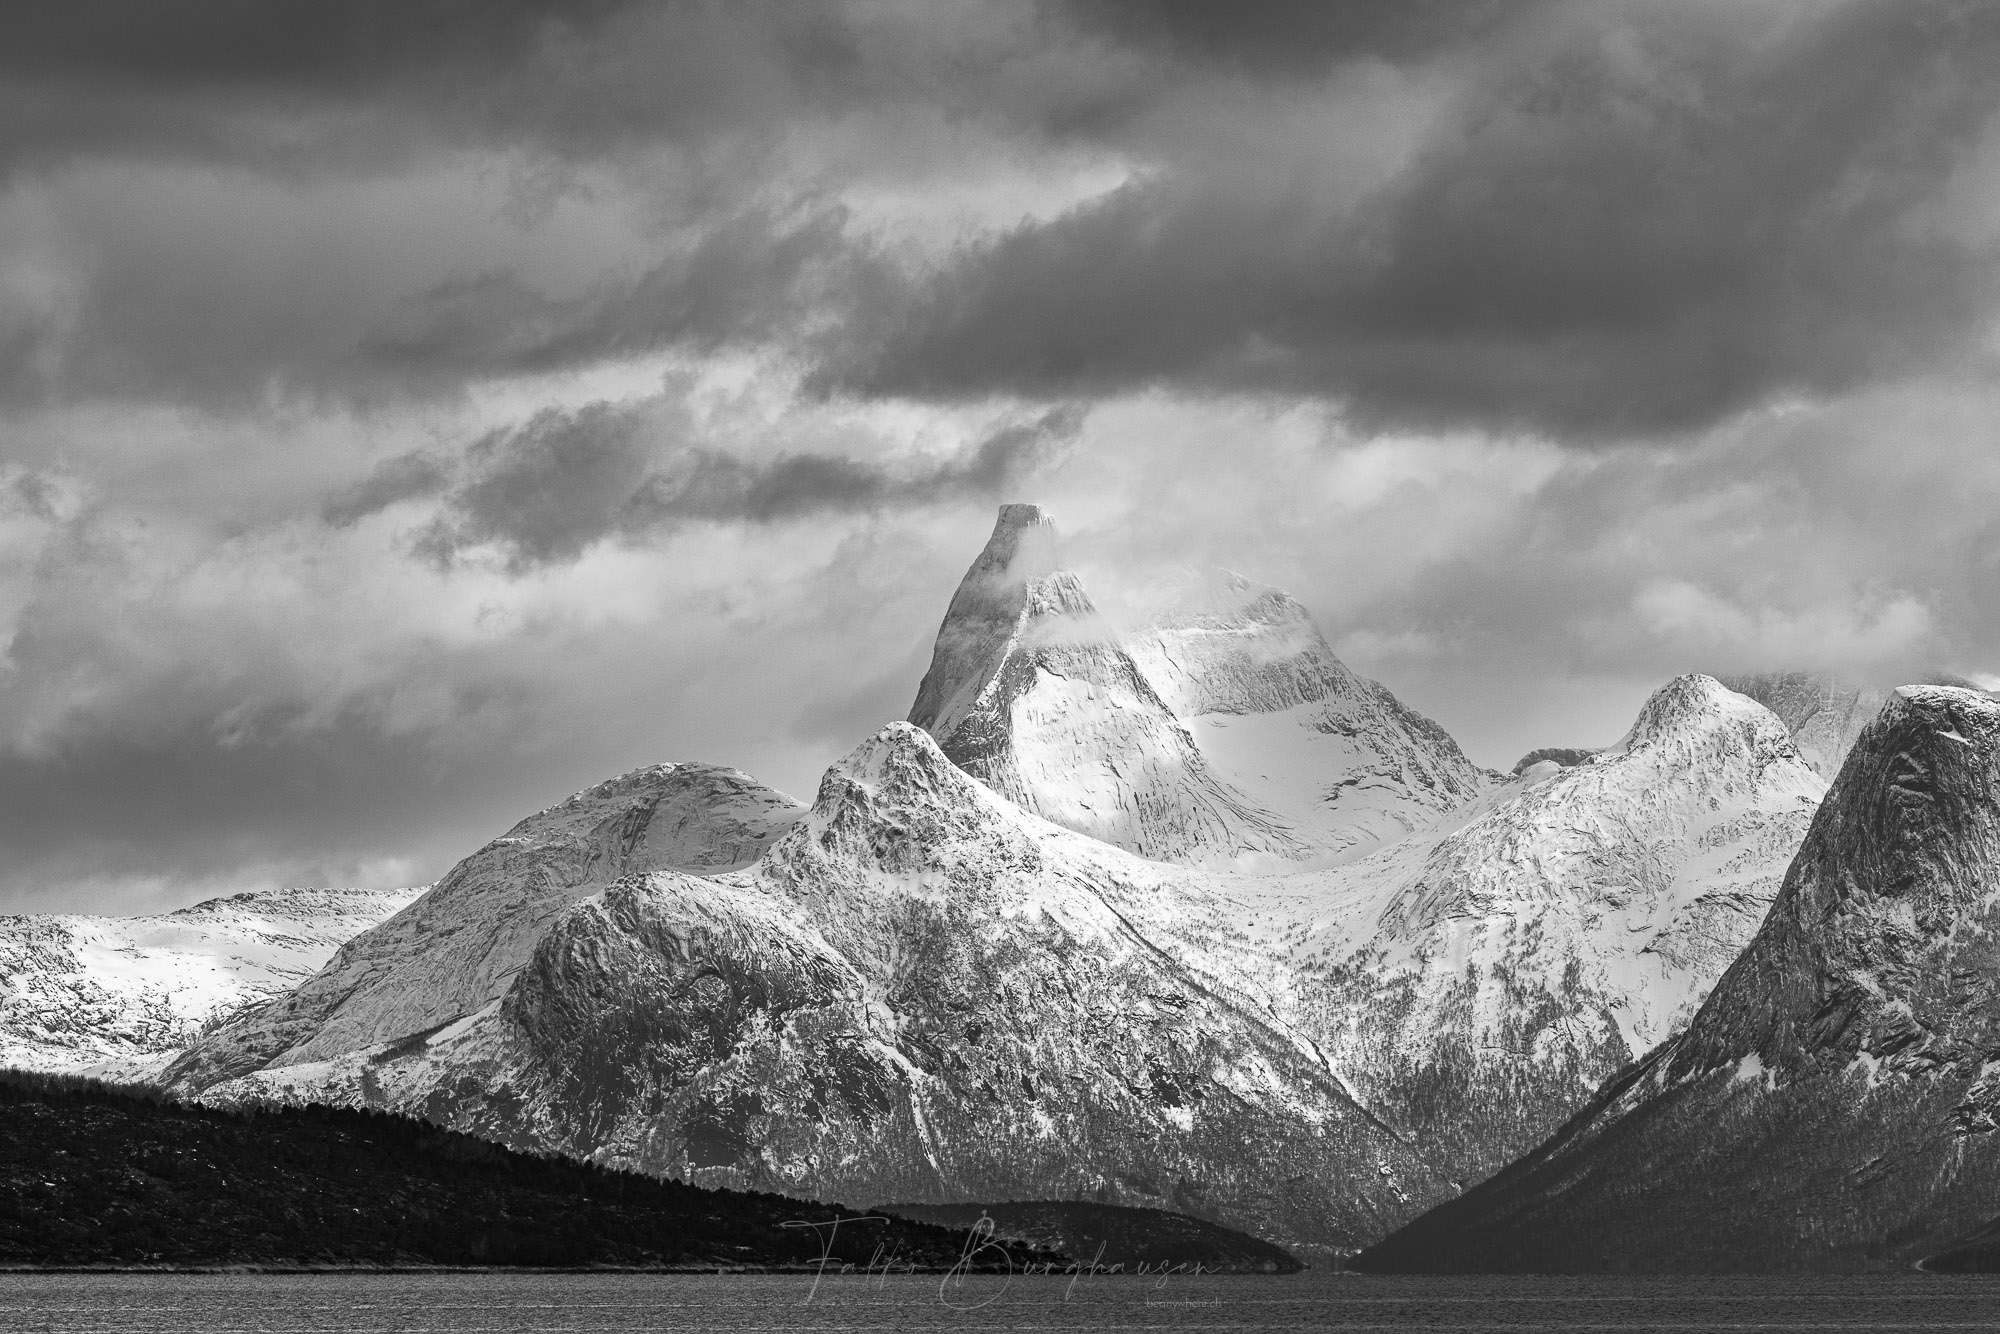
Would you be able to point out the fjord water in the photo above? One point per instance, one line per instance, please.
(461, 1303)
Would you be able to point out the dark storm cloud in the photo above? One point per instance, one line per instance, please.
(110, 808)
(305, 84)
(544, 492)
(1294, 37)
(405, 477)
(209, 42)
(1644, 219)
(738, 282)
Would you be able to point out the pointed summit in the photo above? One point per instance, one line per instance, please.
(1031, 692)
(1016, 579)
(1833, 1104)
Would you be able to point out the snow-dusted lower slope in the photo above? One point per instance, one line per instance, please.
(461, 945)
(920, 992)
(1834, 1104)
(1475, 983)
(119, 996)
(1031, 691)
(1286, 722)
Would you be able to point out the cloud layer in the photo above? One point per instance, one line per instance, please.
(412, 412)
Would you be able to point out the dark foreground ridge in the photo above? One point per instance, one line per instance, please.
(92, 1175)
(1113, 1237)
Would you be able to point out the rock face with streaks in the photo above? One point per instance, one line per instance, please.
(1834, 1103)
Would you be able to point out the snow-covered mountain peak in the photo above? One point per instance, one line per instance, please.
(1032, 692)
(120, 995)
(1017, 579)
(1944, 707)
(899, 771)
(1866, 942)
(1225, 644)
(460, 946)
(1835, 1102)
(699, 818)
(1696, 715)
(1024, 542)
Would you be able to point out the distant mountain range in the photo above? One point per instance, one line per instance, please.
(120, 996)
(1186, 916)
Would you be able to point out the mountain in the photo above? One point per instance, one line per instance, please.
(1031, 692)
(462, 944)
(1225, 735)
(921, 989)
(124, 994)
(1474, 984)
(1336, 755)
(920, 992)
(1825, 713)
(94, 1176)
(1832, 1105)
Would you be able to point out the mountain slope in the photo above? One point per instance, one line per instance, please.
(921, 992)
(460, 946)
(1290, 725)
(1833, 1104)
(1477, 982)
(122, 994)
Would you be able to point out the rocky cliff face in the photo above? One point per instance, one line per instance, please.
(1832, 1104)
(120, 996)
(921, 992)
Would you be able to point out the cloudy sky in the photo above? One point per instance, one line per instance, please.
(414, 410)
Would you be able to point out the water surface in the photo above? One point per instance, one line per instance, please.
(558, 1303)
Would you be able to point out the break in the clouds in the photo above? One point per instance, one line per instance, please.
(414, 411)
